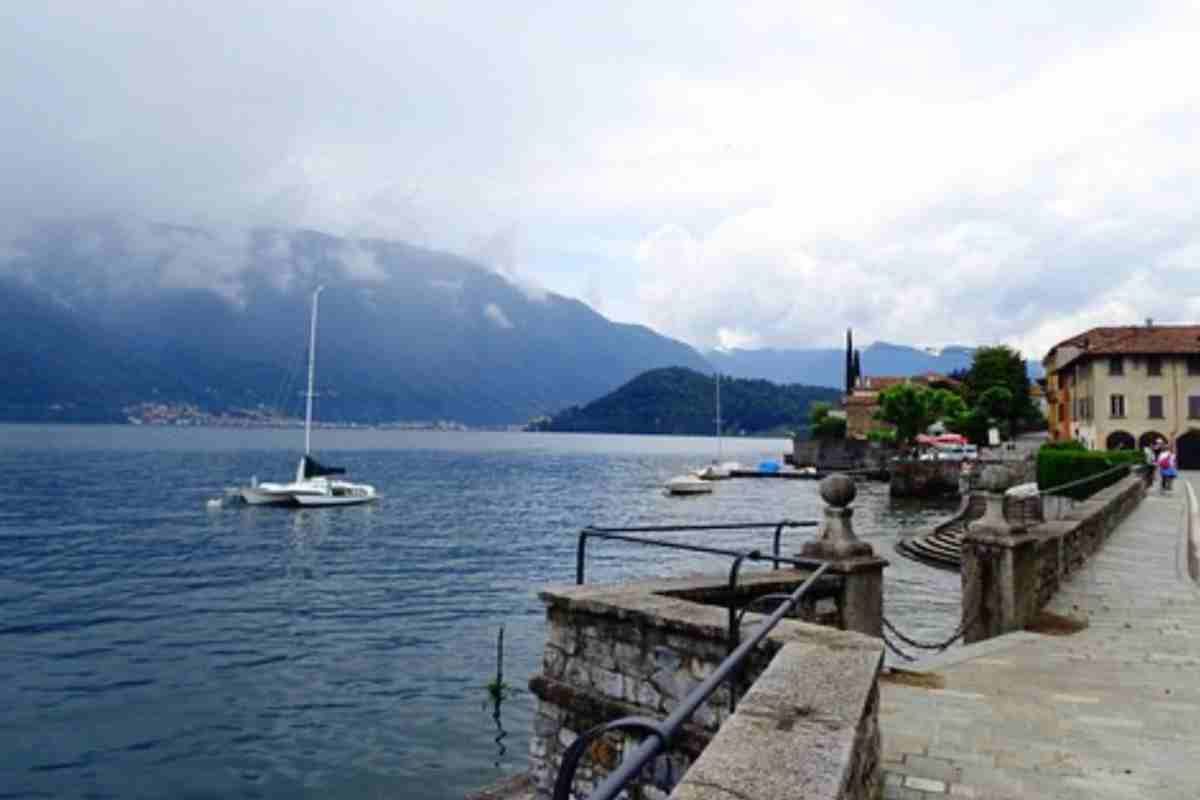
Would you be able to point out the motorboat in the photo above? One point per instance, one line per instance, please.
(688, 485)
(314, 484)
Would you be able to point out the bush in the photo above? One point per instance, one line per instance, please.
(1057, 466)
(1064, 444)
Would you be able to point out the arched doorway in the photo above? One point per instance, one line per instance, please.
(1187, 450)
(1148, 439)
(1119, 440)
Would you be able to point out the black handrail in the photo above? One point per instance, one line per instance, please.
(593, 531)
(661, 734)
(1087, 479)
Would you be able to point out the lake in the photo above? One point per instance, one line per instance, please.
(151, 647)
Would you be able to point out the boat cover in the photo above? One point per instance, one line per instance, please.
(315, 469)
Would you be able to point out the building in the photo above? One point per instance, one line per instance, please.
(863, 400)
(1124, 387)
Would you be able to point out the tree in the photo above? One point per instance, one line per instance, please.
(1000, 367)
(823, 424)
(913, 408)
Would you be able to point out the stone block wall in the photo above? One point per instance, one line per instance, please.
(1065, 546)
(1009, 575)
(924, 478)
(809, 727)
(637, 650)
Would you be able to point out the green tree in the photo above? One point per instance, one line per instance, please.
(824, 425)
(913, 408)
(1000, 367)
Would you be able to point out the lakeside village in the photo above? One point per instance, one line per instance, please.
(1114, 393)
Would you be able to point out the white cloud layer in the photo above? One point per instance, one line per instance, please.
(753, 174)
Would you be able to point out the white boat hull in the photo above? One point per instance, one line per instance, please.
(309, 494)
(688, 485)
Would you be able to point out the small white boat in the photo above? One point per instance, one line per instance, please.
(314, 484)
(718, 472)
(688, 484)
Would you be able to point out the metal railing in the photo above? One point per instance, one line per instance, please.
(1067, 502)
(595, 532)
(660, 734)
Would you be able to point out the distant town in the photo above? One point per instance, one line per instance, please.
(190, 415)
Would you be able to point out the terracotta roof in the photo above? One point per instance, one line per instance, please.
(1135, 340)
(877, 383)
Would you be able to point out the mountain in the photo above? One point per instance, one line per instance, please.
(102, 314)
(682, 401)
(827, 366)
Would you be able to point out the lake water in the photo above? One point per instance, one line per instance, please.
(152, 648)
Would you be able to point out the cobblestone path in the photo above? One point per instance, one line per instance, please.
(1112, 711)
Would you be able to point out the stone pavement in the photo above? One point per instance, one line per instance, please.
(1112, 711)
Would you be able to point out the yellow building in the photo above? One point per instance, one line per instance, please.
(1124, 387)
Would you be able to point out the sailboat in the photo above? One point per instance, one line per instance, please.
(719, 469)
(314, 484)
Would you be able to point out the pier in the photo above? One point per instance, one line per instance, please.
(1103, 703)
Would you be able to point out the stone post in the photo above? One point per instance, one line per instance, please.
(860, 602)
(999, 567)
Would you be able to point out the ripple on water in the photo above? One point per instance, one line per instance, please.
(153, 648)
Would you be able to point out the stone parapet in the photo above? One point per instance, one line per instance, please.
(638, 649)
(1011, 571)
(808, 727)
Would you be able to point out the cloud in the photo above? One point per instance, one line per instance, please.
(494, 314)
(762, 172)
(359, 263)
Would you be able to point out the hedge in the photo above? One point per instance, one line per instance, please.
(1057, 466)
(1064, 444)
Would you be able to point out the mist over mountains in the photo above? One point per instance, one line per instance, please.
(100, 314)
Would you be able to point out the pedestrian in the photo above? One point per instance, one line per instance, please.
(1166, 468)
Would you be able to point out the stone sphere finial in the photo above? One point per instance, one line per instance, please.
(835, 539)
(995, 479)
(838, 490)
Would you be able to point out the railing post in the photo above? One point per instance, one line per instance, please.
(999, 567)
(860, 599)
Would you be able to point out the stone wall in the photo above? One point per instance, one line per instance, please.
(841, 454)
(1011, 569)
(911, 478)
(638, 649)
(1065, 545)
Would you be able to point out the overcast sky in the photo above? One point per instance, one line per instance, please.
(749, 173)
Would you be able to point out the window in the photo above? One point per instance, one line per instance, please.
(1116, 366)
(1193, 365)
(1116, 405)
(1154, 367)
(1193, 407)
(1156, 406)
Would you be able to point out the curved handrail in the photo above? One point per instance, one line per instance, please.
(1087, 479)
(660, 734)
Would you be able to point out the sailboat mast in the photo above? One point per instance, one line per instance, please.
(312, 363)
(718, 375)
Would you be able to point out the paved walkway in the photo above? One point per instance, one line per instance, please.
(1110, 712)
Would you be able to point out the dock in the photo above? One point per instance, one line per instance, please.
(1111, 710)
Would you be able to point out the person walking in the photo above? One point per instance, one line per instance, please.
(1166, 467)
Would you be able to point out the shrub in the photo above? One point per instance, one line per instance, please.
(1064, 444)
(1057, 466)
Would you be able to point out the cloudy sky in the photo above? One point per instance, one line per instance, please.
(750, 174)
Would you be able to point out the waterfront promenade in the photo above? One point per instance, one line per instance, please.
(1110, 711)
